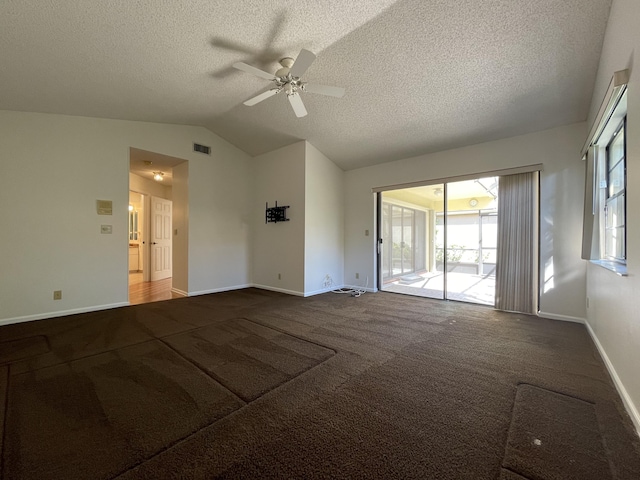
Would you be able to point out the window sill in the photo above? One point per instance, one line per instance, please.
(615, 267)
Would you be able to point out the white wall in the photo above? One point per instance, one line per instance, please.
(55, 167)
(219, 218)
(613, 314)
(324, 222)
(562, 184)
(180, 196)
(278, 248)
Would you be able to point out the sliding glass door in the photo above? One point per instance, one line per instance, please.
(439, 241)
(403, 235)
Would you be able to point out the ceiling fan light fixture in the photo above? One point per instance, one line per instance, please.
(158, 176)
(287, 78)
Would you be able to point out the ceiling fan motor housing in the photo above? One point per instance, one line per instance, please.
(287, 63)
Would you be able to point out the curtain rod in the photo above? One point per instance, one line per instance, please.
(459, 178)
(615, 90)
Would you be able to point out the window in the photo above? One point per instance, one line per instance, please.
(615, 203)
(605, 210)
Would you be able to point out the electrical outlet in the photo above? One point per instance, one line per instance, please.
(57, 294)
(357, 276)
(327, 281)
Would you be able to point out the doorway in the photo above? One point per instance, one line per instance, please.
(153, 230)
(149, 249)
(439, 241)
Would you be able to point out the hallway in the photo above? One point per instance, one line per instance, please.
(147, 292)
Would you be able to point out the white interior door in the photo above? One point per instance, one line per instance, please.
(161, 227)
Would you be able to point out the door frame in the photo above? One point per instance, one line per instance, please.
(165, 162)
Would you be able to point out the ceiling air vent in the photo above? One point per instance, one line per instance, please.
(202, 149)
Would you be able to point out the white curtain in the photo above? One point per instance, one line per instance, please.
(517, 244)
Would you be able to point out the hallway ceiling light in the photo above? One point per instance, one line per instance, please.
(437, 192)
(158, 176)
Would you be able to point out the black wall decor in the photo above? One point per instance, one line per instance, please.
(276, 214)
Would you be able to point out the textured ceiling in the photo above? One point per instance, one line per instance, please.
(145, 164)
(420, 75)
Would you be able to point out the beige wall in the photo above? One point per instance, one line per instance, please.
(52, 241)
(324, 222)
(562, 185)
(278, 248)
(180, 198)
(614, 302)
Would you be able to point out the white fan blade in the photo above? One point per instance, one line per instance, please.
(324, 90)
(304, 61)
(263, 96)
(298, 106)
(253, 71)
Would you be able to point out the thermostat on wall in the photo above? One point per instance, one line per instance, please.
(105, 207)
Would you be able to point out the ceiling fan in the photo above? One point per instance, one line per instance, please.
(287, 79)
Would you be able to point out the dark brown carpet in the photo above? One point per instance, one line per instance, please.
(23, 348)
(256, 384)
(247, 358)
(118, 408)
(554, 436)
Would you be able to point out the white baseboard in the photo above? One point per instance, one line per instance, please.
(321, 291)
(563, 318)
(60, 313)
(276, 289)
(360, 287)
(217, 290)
(179, 292)
(626, 399)
(339, 287)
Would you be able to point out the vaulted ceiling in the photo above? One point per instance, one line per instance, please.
(420, 75)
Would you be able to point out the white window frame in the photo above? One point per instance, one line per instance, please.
(610, 117)
(620, 195)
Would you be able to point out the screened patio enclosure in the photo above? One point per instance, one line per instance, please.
(439, 241)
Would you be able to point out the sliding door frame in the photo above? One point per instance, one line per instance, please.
(444, 181)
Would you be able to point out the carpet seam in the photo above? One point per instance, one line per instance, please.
(150, 339)
(247, 401)
(517, 473)
(556, 392)
(199, 367)
(173, 444)
(46, 341)
(66, 362)
(278, 329)
(506, 439)
(587, 402)
(234, 412)
(603, 440)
